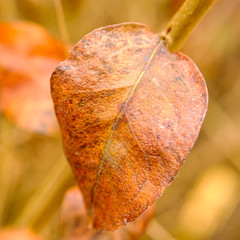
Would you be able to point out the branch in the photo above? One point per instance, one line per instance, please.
(184, 21)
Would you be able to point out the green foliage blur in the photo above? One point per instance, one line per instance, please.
(203, 202)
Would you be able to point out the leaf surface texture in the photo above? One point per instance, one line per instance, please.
(129, 112)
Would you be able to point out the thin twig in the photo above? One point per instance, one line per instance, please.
(61, 22)
(47, 198)
(10, 169)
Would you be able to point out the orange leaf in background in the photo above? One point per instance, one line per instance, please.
(74, 221)
(129, 111)
(28, 57)
(18, 234)
(75, 225)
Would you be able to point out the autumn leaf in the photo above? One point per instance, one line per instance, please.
(74, 221)
(129, 112)
(28, 56)
(75, 224)
(11, 233)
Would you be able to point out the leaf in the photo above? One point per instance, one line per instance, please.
(75, 224)
(28, 57)
(74, 221)
(18, 234)
(129, 112)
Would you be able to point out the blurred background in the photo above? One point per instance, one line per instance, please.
(203, 202)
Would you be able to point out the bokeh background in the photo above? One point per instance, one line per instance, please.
(203, 201)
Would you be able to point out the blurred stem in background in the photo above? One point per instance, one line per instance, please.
(184, 21)
(62, 26)
(45, 201)
(8, 9)
(10, 169)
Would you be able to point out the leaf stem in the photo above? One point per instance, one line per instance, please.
(61, 22)
(48, 197)
(10, 169)
(184, 21)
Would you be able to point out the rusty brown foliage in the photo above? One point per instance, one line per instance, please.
(29, 54)
(129, 112)
(75, 224)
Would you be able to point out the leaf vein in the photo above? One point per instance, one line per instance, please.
(120, 115)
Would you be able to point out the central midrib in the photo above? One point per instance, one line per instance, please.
(120, 114)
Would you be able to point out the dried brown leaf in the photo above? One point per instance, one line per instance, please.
(129, 111)
(74, 220)
(28, 56)
(75, 224)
